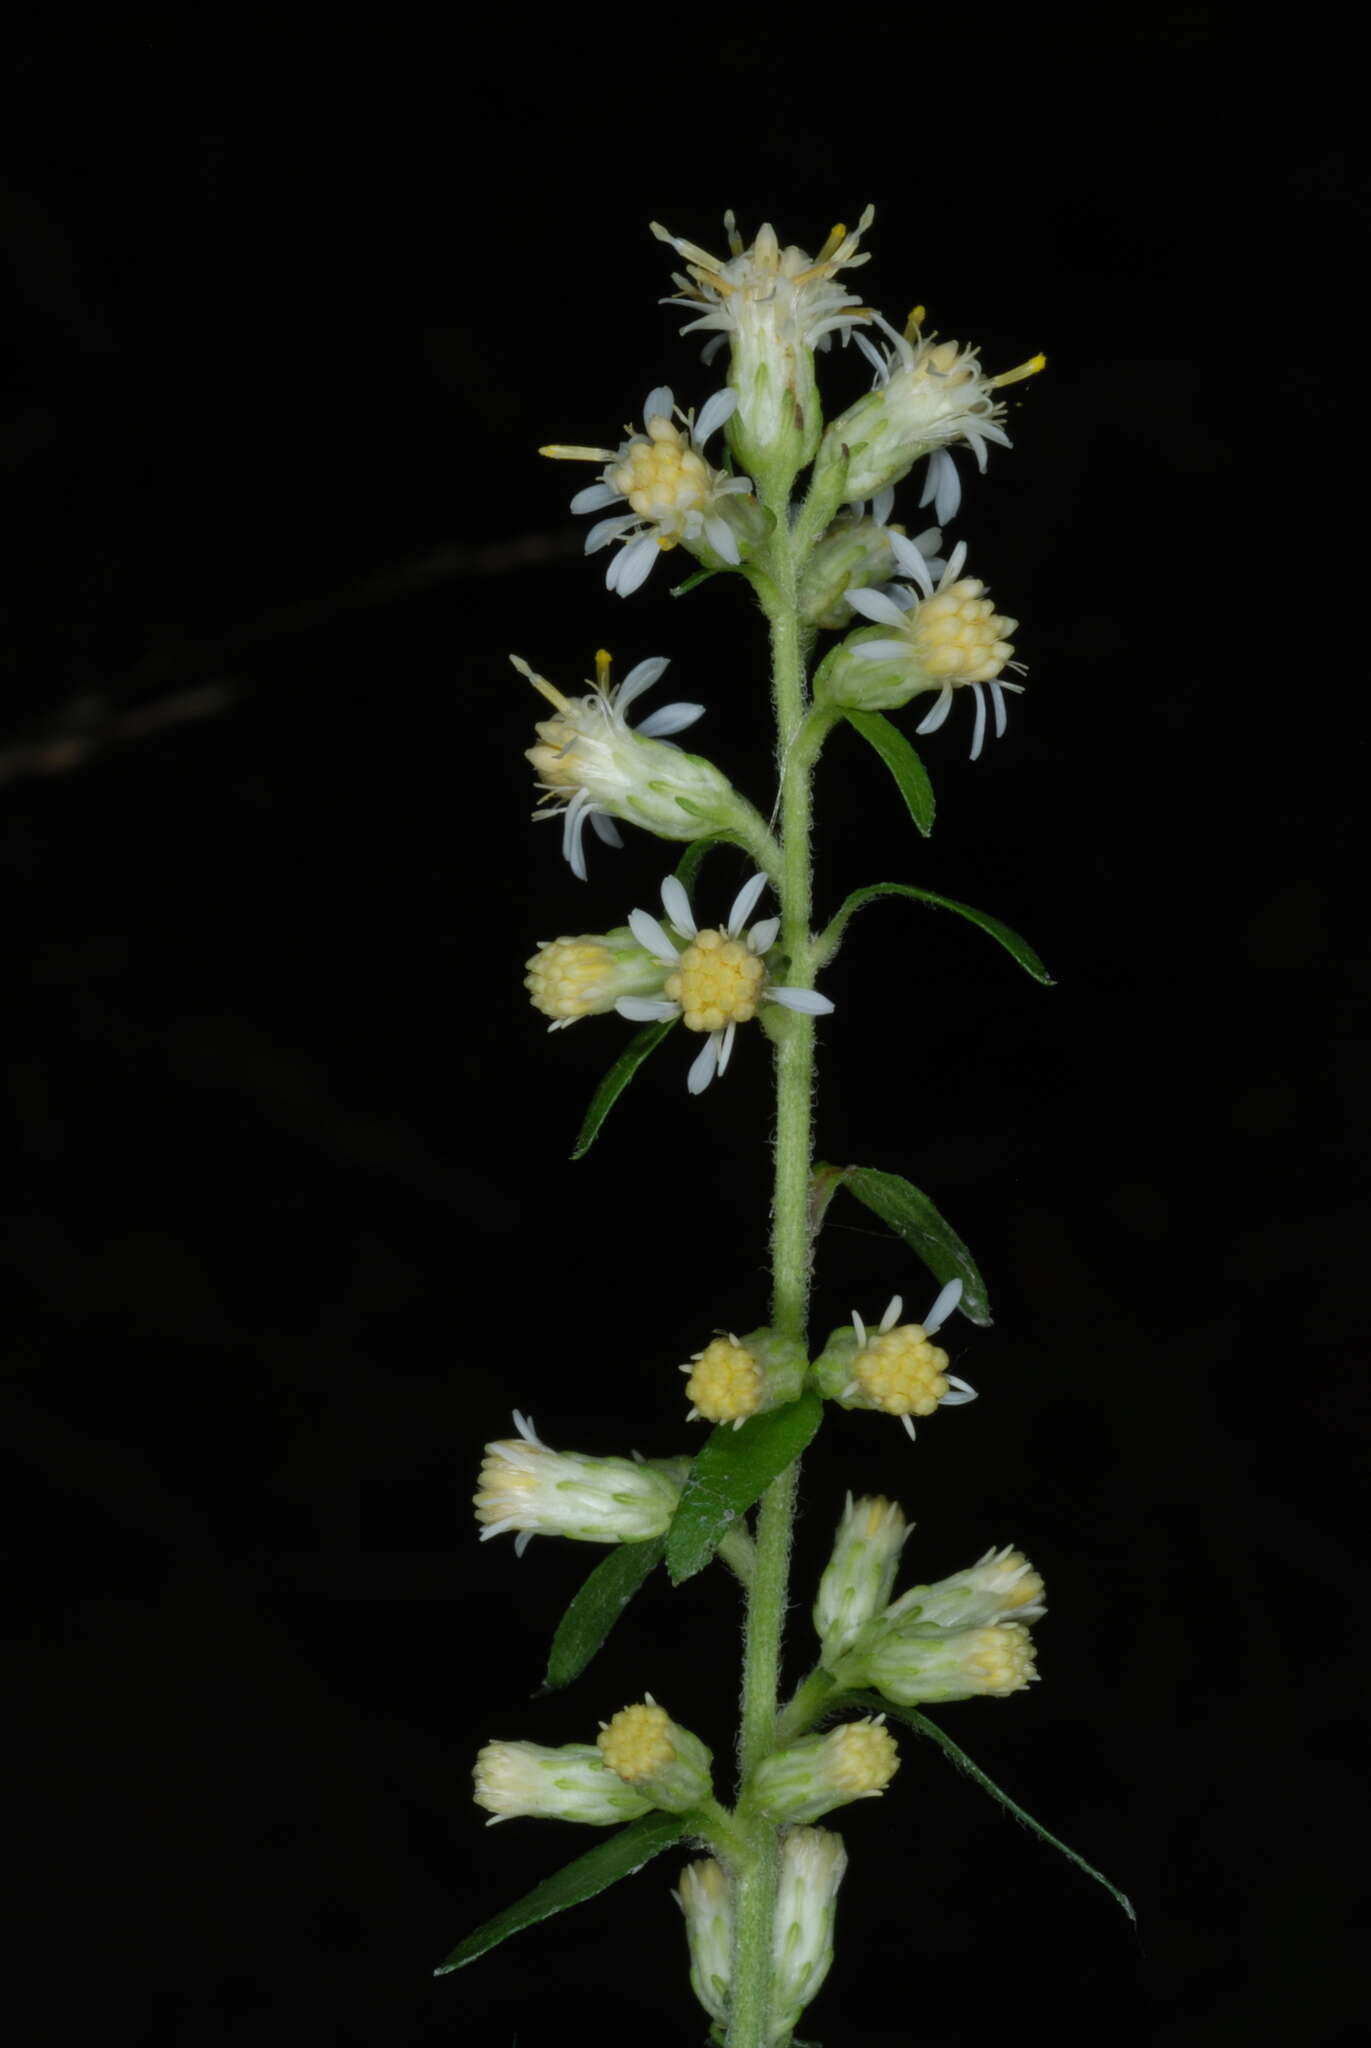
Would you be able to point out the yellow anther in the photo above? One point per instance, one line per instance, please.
(913, 325)
(717, 982)
(727, 1383)
(837, 235)
(637, 1742)
(603, 663)
(901, 1371)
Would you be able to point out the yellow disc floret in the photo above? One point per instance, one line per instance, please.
(1000, 1660)
(727, 1383)
(637, 1743)
(662, 476)
(901, 1371)
(958, 635)
(565, 978)
(718, 982)
(862, 1757)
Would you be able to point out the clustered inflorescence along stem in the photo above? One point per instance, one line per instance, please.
(759, 1909)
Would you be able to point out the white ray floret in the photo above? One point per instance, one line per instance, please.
(718, 976)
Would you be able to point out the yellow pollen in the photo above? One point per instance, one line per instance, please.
(726, 1383)
(718, 982)
(637, 1744)
(902, 1372)
(862, 1757)
(958, 635)
(603, 664)
(564, 978)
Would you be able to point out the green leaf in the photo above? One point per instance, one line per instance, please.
(617, 1079)
(688, 866)
(733, 1470)
(595, 1609)
(907, 1211)
(914, 1719)
(594, 1872)
(1008, 938)
(694, 582)
(902, 761)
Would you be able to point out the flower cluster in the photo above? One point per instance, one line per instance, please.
(838, 555)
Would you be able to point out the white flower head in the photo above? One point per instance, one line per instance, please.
(717, 977)
(774, 306)
(896, 1367)
(912, 1667)
(927, 395)
(593, 766)
(540, 1492)
(795, 295)
(671, 494)
(940, 637)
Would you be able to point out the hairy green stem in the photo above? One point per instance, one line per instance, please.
(755, 1875)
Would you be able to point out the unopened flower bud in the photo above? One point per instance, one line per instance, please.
(734, 1378)
(807, 1779)
(663, 1762)
(585, 976)
(912, 1667)
(541, 1492)
(812, 1864)
(569, 1783)
(706, 1899)
(854, 554)
(858, 1579)
(1003, 1586)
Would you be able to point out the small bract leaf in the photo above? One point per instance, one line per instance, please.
(617, 1079)
(594, 1872)
(733, 1471)
(900, 758)
(907, 1211)
(596, 1607)
(914, 1719)
(1008, 938)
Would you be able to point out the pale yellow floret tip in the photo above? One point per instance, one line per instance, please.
(864, 1757)
(959, 636)
(637, 1744)
(726, 1384)
(1002, 1658)
(902, 1372)
(1028, 369)
(717, 982)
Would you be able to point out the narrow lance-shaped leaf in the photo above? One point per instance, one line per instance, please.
(907, 1211)
(1008, 938)
(911, 777)
(594, 1872)
(733, 1470)
(596, 1607)
(617, 1079)
(914, 1719)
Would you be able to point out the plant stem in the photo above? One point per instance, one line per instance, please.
(755, 1876)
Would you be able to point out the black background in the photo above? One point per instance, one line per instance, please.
(289, 1221)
